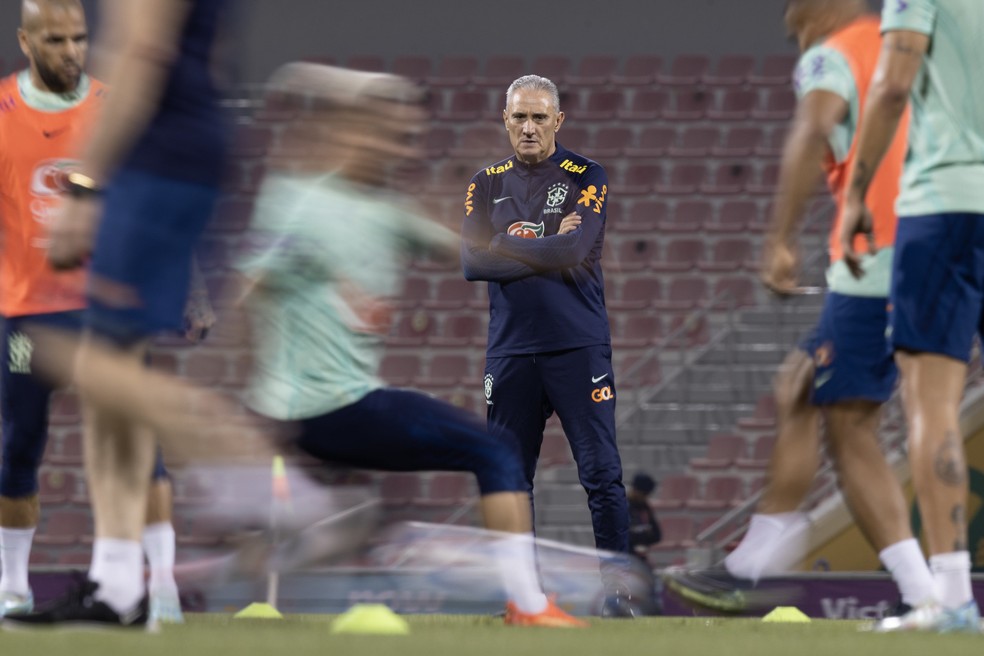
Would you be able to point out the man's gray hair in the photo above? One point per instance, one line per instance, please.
(536, 83)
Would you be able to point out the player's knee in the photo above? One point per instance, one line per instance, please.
(19, 478)
(499, 472)
(791, 386)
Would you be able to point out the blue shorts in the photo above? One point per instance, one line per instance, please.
(937, 293)
(851, 357)
(141, 260)
(24, 404)
(400, 430)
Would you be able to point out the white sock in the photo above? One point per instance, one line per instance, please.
(770, 546)
(517, 566)
(117, 566)
(158, 544)
(15, 554)
(909, 570)
(951, 578)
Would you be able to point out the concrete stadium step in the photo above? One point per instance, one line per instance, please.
(573, 515)
(581, 536)
(775, 334)
(745, 354)
(646, 432)
(711, 393)
(696, 414)
(756, 377)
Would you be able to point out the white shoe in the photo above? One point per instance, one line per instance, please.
(11, 602)
(935, 618)
(165, 608)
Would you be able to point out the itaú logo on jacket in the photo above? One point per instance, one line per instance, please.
(526, 230)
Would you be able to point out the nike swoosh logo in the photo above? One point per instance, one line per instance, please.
(823, 379)
(48, 134)
(599, 378)
(496, 201)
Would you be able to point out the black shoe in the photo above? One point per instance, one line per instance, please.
(620, 605)
(80, 608)
(716, 589)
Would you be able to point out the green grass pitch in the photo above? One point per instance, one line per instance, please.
(469, 635)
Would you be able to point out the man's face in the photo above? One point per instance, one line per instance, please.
(56, 44)
(382, 137)
(532, 123)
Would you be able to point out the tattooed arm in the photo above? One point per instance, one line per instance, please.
(900, 61)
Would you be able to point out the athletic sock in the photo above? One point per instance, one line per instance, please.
(905, 561)
(15, 556)
(158, 544)
(951, 578)
(517, 566)
(117, 566)
(768, 537)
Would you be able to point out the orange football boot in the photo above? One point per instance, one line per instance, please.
(552, 617)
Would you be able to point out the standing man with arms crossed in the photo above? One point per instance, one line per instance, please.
(842, 369)
(155, 155)
(534, 227)
(44, 111)
(931, 56)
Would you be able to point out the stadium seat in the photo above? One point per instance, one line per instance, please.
(654, 141)
(369, 63)
(411, 329)
(635, 253)
(766, 182)
(500, 71)
(730, 70)
(600, 105)
(481, 140)
(461, 329)
(738, 142)
(688, 330)
(684, 179)
(468, 106)
(695, 142)
(415, 67)
(453, 71)
(720, 493)
(764, 416)
(739, 290)
(639, 178)
(643, 216)
(451, 177)
(454, 293)
(779, 105)
(64, 409)
(776, 70)
(446, 370)
(399, 369)
(634, 370)
(679, 255)
(685, 70)
(674, 492)
(610, 142)
(416, 290)
(734, 216)
(56, 485)
(678, 533)
(553, 67)
(636, 293)
(723, 450)
(687, 104)
(728, 255)
(773, 141)
(684, 293)
(760, 456)
(638, 330)
(573, 137)
(399, 489)
(638, 70)
(727, 179)
(64, 527)
(593, 70)
(735, 105)
(644, 105)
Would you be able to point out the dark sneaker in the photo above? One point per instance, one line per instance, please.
(716, 589)
(79, 608)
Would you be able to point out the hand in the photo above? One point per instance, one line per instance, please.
(570, 223)
(72, 232)
(780, 268)
(857, 220)
(199, 316)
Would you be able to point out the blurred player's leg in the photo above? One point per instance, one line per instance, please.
(159, 547)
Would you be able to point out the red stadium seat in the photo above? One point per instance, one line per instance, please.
(461, 330)
(654, 141)
(451, 177)
(644, 216)
(679, 255)
(695, 142)
(720, 493)
(638, 330)
(684, 179)
(484, 141)
(610, 142)
(56, 485)
(779, 105)
(777, 70)
(639, 178)
(638, 70)
(688, 331)
(500, 71)
(761, 454)
(674, 492)
(728, 255)
(773, 142)
(447, 370)
(727, 179)
(764, 416)
(593, 70)
(738, 290)
(735, 216)
(688, 104)
(64, 527)
(767, 182)
(634, 254)
(686, 70)
(600, 105)
(574, 138)
(687, 217)
(735, 105)
(644, 105)
(739, 142)
(411, 329)
(454, 71)
(468, 106)
(730, 70)
(400, 369)
(722, 452)
(415, 67)
(684, 293)
(678, 533)
(637, 293)
(453, 293)
(416, 290)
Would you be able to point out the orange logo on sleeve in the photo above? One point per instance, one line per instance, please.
(590, 196)
(468, 199)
